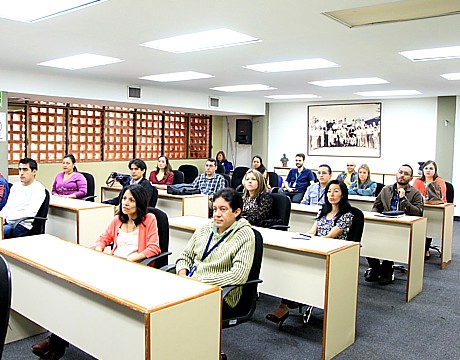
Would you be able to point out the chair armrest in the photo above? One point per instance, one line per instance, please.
(147, 261)
(18, 221)
(280, 227)
(274, 190)
(169, 268)
(86, 198)
(227, 288)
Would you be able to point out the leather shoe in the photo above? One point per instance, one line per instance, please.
(371, 275)
(387, 279)
(41, 347)
(54, 354)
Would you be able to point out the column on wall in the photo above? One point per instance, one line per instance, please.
(3, 134)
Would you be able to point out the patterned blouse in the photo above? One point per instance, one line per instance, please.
(343, 222)
(257, 209)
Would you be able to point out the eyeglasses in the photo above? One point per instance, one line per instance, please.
(350, 165)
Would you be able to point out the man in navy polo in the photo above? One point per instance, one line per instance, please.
(298, 180)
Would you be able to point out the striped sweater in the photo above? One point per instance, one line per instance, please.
(228, 264)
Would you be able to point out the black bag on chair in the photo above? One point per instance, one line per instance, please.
(182, 189)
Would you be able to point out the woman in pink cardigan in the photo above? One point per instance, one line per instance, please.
(133, 231)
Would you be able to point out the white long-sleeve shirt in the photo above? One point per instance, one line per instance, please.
(23, 201)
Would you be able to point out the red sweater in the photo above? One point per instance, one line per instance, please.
(148, 242)
(420, 185)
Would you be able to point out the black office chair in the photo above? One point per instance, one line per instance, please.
(238, 175)
(178, 177)
(5, 303)
(154, 198)
(220, 169)
(379, 188)
(273, 179)
(449, 192)
(38, 225)
(190, 172)
(280, 214)
(228, 179)
(90, 186)
(161, 259)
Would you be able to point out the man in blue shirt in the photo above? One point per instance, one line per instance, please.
(298, 180)
(315, 193)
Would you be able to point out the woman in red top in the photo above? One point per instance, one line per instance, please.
(430, 174)
(163, 175)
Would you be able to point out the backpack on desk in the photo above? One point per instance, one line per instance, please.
(182, 189)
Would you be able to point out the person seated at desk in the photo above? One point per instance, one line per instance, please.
(69, 183)
(257, 202)
(333, 221)
(134, 234)
(222, 160)
(349, 175)
(209, 182)
(221, 253)
(137, 169)
(399, 196)
(25, 199)
(315, 194)
(363, 185)
(298, 180)
(4, 191)
(258, 165)
(435, 195)
(163, 175)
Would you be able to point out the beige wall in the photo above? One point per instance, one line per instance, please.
(445, 133)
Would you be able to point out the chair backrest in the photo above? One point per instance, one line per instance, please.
(228, 179)
(357, 225)
(178, 177)
(449, 192)
(38, 225)
(247, 304)
(220, 169)
(237, 176)
(163, 234)
(273, 179)
(379, 188)
(5, 303)
(154, 198)
(281, 208)
(190, 172)
(90, 185)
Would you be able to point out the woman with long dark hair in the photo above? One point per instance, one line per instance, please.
(163, 175)
(69, 183)
(222, 160)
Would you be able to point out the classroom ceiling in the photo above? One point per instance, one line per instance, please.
(289, 30)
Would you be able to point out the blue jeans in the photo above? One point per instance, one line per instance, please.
(18, 231)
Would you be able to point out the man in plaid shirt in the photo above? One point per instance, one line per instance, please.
(209, 182)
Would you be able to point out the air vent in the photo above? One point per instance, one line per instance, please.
(134, 92)
(213, 102)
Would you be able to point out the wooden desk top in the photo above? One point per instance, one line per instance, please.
(74, 204)
(138, 287)
(274, 238)
(368, 215)
(372, 199)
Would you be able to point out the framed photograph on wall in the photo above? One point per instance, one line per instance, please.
(351, 130)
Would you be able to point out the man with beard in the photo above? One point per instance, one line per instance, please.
(399, 196)
(298, 180)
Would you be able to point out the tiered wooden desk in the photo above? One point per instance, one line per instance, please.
(320, 272)
(440, 223)
(396, 239)
(78, 221)
(173, 205)
(109, 307)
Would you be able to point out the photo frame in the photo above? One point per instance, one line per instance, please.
(349, 130)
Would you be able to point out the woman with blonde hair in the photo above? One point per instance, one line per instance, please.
(257, 202)
(363, 185)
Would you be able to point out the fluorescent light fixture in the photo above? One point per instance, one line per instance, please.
(177, 76)
(280, 66)
(296, 96)
(80, 61)
(204, 40)
(451, 76)
(237, 88)
(444, 53)
(349, 82)
(389, 93)
(36, 10)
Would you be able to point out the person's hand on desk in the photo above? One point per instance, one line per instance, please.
(288, 188)
(182, 272)
(136, 257)
(98, 248)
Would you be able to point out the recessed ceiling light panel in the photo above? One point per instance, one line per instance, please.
(293, 65)
(177, 76)
(444, 53)
(238, 88)
(349, 82)
(36, 10)
(204, 40)
(80, 61)
(295, 96)
(451, 76)
(389, 93)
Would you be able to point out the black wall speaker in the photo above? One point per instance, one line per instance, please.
(244, 131)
